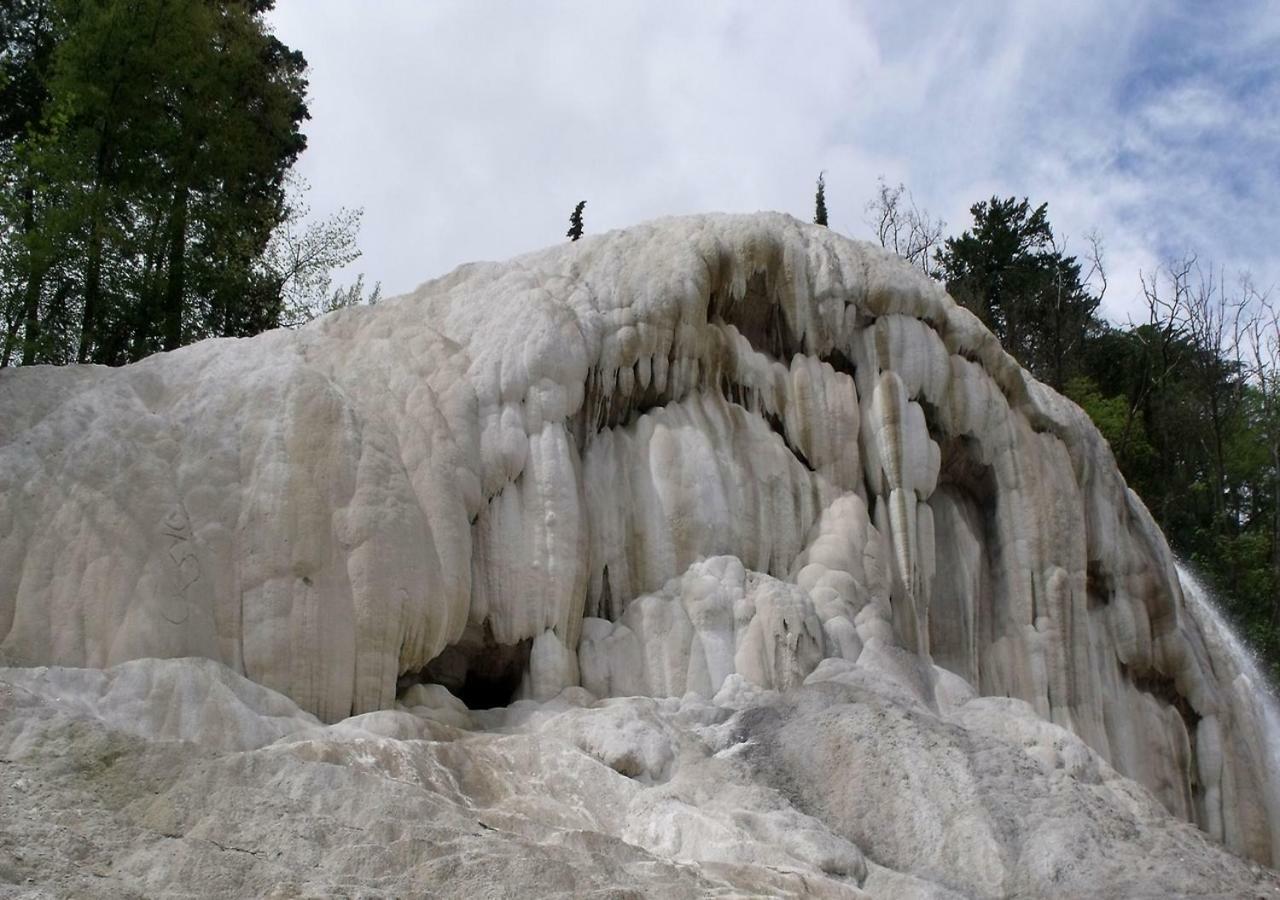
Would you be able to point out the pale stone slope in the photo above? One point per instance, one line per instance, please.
(179, 778)
(645, 463)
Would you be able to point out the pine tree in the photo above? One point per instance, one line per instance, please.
(575, 222)
(1010, 271)
(820, 202)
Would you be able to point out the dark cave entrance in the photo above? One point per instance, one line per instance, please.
(481, 691)
(477, 670)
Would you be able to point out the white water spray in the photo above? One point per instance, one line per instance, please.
(1251, 689)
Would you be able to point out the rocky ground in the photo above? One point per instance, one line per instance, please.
(179, 778)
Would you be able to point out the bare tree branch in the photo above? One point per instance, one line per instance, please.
(901, 226)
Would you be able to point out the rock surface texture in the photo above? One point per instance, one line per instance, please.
(717, 556)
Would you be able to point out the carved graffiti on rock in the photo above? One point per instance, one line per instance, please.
(177, 531)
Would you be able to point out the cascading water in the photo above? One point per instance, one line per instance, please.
(1252, 688)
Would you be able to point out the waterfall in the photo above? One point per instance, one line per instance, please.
(1251, 687)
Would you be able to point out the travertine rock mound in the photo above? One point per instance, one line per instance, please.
(669, 461)
(179, 778)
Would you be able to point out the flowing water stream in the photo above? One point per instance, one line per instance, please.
(1252, 688)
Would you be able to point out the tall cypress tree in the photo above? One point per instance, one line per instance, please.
(820, 202)
(575, 222)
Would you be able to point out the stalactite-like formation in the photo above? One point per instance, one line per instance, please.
(693, 453)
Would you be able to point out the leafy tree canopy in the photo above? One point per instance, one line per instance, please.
(1010, 271)
(144, 147)
(1189, 399)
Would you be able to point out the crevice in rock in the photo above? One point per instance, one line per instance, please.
(838, 360)
(775, 424)
(605, 406)
(1165, 689)
(1098, 585)
(962, 615)
(615, 415)
(757, 316)
(932, 420)
(962, 468)
(603, 609)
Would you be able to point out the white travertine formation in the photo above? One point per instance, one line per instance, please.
(181, 778)
(702, 455)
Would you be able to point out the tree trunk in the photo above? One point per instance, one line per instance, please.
(10, 339)
(92, 289)
(175, 286)
(1275, 537)
(1221, 523)
(151, 287)
(28, 319)
(35, 279)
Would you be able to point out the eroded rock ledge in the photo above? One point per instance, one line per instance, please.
(646, 463)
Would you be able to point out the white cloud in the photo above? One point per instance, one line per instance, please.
(469, 130)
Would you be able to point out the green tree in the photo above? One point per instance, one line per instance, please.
(1260, 340)
(156, 168)
(820, 202)
(1188, 399)
(1010, 271)
(297, 266)
(575, 221)
(29, 31)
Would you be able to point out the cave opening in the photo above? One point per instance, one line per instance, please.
(484, 691)
(479, 671)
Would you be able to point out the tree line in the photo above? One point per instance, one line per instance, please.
(146, 196)
(1188, 395)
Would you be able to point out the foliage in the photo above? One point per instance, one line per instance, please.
(575, 221)
(296, 267)
(820, 201)
(1188, 399)
(144, 147)
(352, 295)
(1010, 271)
(1112, 415)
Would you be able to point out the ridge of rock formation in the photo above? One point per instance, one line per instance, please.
(705, 454)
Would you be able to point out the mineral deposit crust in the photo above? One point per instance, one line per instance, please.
(700, 455)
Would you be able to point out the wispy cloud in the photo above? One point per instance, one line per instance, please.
(469, 130)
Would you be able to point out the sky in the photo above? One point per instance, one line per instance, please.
(468, 130)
